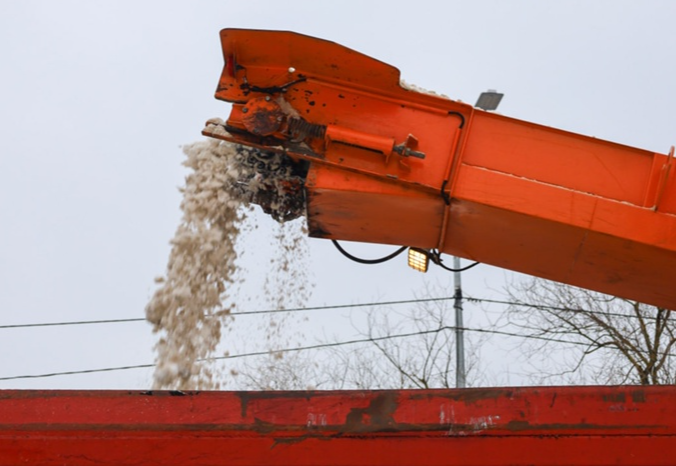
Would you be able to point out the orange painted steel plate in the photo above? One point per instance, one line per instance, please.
(482, 186)
(544, 426)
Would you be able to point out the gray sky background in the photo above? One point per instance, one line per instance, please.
(98, 97)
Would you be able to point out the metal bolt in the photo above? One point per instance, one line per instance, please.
(267, 98)
(245, 109)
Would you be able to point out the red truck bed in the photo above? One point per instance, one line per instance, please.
(545, 426)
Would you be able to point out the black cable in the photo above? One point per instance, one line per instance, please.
(555, 308)
(81, 322)
(462, 118)
(233, 356)
(242, 313)
(435, 256)
(368, 261)
(318, 346)
(84, 371)
(338, 306)
(444, 194)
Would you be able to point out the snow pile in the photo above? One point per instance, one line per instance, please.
(420, 90)
(187, 308)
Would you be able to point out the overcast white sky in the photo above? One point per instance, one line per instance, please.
(97, 97)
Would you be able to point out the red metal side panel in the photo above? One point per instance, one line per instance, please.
(545, 426)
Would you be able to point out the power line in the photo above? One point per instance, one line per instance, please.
(233, 356)
(81, 322)
(555, 308)
(83, 371)
(242, 313)
(339, 306)
(311, 347)
(224, 312)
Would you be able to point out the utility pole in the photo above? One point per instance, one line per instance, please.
(459, 328)
(487, 101)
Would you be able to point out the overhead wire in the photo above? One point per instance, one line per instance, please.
(241, 313)
(232, 356)
(553, 308)
(311, 347)
(322, 345)
(468, 299)
(80, 322)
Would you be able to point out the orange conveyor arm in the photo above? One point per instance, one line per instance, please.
(389, 164)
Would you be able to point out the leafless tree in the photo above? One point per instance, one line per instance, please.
(584, 336)
(413, 348)
(280, 371)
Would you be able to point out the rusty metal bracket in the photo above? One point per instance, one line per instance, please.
(262, 116)
(405, 149)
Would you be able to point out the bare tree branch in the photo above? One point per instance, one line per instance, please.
(629, 341)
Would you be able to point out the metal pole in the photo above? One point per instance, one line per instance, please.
(459, 328)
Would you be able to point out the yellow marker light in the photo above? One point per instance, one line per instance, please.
(418, 259)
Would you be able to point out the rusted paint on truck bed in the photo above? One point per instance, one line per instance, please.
(546, 426)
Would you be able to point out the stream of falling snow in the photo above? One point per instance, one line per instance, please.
(187, 309)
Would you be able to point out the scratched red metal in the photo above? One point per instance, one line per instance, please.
(546, 426)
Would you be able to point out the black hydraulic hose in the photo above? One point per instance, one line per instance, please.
(368, 261)
(436, 258)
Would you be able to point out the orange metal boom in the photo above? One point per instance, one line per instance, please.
(388, 164)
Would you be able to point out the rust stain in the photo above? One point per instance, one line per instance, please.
(551, 405)
(264, 427)
(615, 398)
(467, 395)
(638, 396)
(287, 440)
(318, 231)
(243, 402)
(376, 416)
(521, 426)
(262, 116)
(246, 397)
